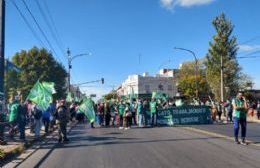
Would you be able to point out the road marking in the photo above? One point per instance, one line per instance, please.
(216, 135)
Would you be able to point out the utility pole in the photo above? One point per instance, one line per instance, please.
(2, 45)
(69, 67)
(70, 58)
(2, 67)
(222, 79)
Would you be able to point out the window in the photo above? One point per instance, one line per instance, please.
(160, 87)
(147, 88)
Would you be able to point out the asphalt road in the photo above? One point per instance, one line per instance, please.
(253, 130)
(168, 147)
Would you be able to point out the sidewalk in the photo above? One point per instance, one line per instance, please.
(15, 146)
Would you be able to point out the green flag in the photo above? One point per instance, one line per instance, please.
(69, 97)
(49, 86)
(87, 108)
(41, 96)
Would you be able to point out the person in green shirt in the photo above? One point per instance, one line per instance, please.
(240, 112)
(121, 109)
(153, 110)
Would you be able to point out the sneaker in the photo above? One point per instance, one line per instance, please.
(237, 142)
(126, 128)
(120, 128)
(244, 143)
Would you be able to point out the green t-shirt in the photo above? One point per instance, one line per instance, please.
(153, 107)
(121, 109)
(241, 112)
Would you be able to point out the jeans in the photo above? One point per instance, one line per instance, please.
(153, 119)
(243, 123)
(46, 122)
(38, 125)
(140, 120)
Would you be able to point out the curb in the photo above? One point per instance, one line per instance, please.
(8, 156)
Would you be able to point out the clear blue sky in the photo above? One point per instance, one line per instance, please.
(116, 32)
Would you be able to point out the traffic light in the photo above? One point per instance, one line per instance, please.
(102, 80)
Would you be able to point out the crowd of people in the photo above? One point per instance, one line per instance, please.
(22, 115)
(121, 113)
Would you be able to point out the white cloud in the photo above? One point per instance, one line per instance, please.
(170, 4)
(248, 48)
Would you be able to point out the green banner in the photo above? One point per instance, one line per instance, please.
(184, 115)
(87, 108)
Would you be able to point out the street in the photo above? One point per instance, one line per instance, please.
(146, 148)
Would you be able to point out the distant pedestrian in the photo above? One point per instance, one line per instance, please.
(240, 113)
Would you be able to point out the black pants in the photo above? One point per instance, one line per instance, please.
(62, 130)
(128, 121)
(134, 118)
(121, 119)
(107, 119)
(154, 119)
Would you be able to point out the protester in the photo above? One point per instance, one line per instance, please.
(21, 119)
(107, 114)
(153, 111)
(13, 107)
(127, 117)
(62, 118)
(258, 110)
(37, 113)
(121, 110)
(133, 107)
(140, 113)
(146, 107)
(240, 113)
(46, 119)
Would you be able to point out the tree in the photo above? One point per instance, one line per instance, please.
(111, 95)
(225, 45)
(36, 64)
(187, 80)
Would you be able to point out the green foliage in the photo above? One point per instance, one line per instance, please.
(111, 95)
(188, 80)
(225, 45)
(36, 64)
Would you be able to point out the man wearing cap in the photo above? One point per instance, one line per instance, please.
(240, 112)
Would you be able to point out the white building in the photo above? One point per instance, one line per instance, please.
(164, 82)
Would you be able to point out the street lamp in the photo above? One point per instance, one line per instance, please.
(70, 58)
(196, 68)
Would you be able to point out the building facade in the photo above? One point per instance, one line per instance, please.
(141, 85)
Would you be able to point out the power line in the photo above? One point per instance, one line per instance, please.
(49, 25)
(39, 27)
(53, 24)
(250, 40)
(27, 23)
